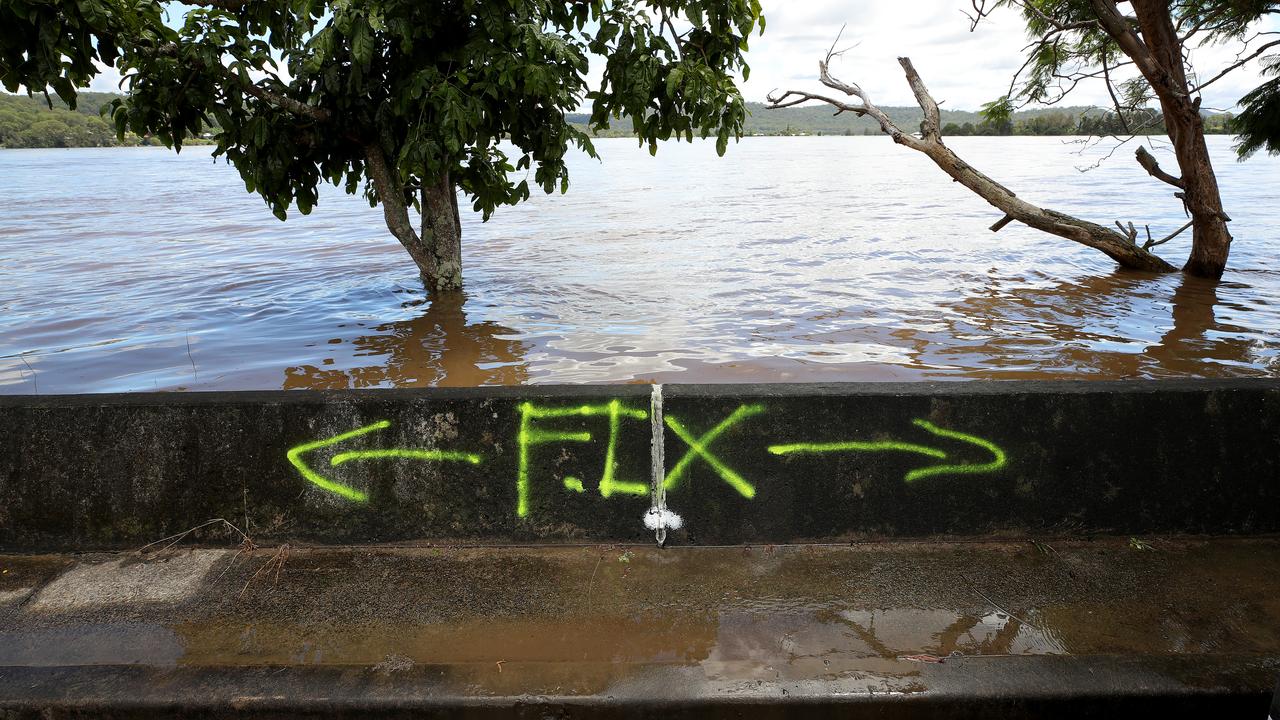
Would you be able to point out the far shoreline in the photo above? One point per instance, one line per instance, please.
(624, 137)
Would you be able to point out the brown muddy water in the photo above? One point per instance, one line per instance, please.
(791, 259)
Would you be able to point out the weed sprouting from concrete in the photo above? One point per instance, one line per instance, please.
(276, 562)
(592, 582)
(1044, 548)
(1139, 544)
(175, 539)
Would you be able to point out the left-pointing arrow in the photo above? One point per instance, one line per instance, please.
(346, 491)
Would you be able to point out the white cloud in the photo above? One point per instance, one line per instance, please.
(964, 69)
(107, 80)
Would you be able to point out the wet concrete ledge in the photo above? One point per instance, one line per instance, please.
(1118, 690)
(1092, 628)
(737, 463)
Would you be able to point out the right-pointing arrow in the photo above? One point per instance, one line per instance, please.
(999, 459)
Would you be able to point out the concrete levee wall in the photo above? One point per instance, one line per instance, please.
(695, 464)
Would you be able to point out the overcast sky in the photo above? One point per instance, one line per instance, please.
(963, 69)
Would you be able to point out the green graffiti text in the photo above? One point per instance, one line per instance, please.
(528, 436)
(295, 458)
(999, 459)
(698, 448)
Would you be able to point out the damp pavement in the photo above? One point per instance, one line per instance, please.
(1182, 626)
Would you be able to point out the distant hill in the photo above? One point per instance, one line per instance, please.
(30, 122)
(821, 120)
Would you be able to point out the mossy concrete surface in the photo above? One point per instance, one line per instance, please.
(739, 463)
(1186, 627)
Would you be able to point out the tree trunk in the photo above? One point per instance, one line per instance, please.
(438, 251)
(441, 236)
(1164, 70)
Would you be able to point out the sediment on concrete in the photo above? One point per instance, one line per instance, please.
(949, 630)
(741, 463)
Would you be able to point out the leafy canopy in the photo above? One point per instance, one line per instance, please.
(296, 92)
(1069, 46)
(56, 43)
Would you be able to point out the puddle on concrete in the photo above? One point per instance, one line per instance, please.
(133, 644)
(592, 620)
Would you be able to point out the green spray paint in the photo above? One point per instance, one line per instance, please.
(295, 457)
(698, 448)
(346, 491)
(857, 446)
(446, 455)
(999, 459)
(528, 436)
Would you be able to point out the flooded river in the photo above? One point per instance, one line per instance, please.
(789, 260)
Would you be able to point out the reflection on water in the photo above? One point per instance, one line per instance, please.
(436, 348)
(681, 268)
(1084, 328)
(796, 646)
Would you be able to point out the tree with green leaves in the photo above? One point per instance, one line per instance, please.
(1259, 120)
(61, 45)
(1141, 50)
(409, 102)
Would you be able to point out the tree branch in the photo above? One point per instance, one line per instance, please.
(297, 107)
(931, 127)
(1234, 66)
(1115, 24)
(228, 5)
(1122, 248)
(394, 211)
(1106, 78)
(1149, 163)
(1152, 243)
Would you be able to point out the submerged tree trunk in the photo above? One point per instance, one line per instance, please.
(1158, 54)
(441, 236)
(438, 250)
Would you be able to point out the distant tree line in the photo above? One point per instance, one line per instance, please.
(29, 122)
(33, 122)
(1142, 122)
(1076, 120)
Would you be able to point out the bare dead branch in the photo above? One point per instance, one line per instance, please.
(1152, 166)
(1120, 247)
(931, 127)
(795, 97)
(1152, 243)
(1131, 233)
(1115, 101)
(1233, 66)
(980, 12)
